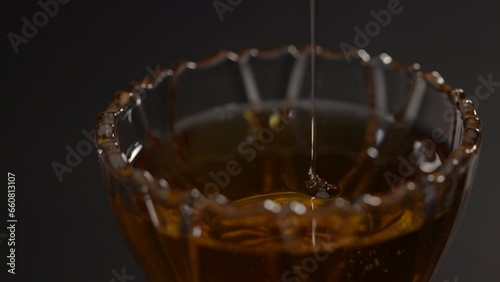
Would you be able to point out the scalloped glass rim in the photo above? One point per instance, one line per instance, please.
(116, 161)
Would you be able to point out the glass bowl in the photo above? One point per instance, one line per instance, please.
(178, 152)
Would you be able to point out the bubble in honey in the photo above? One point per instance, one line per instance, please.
(319, 188)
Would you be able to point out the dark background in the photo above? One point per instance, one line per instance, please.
(66, 74)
